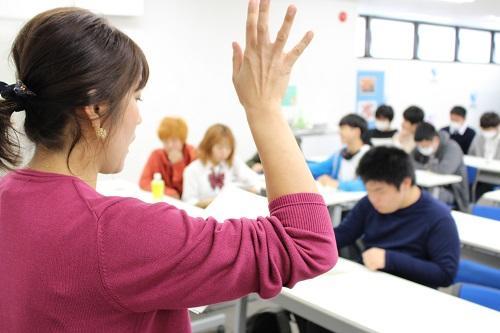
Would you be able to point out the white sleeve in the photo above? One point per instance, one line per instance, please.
(243, 174)
(190, 185)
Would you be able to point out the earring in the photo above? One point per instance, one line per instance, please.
(101, 133)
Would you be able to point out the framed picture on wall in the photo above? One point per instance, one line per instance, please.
(369, 93)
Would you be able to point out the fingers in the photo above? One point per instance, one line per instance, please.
(252, 18)
(262, 22)
(237, 58)
(295, 53)
(284, 31)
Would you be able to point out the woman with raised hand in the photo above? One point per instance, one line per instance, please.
(75, 260)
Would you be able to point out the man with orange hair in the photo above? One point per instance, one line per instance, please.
(170, 160)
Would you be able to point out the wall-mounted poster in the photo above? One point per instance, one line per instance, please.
(369, 93)
(290, 98)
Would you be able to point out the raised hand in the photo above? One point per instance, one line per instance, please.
(261, 73)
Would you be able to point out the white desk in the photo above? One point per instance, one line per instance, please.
(488, 171)
(493, 196)
(332, 197)
(335, 199)
(482, 164)
(480, 237)
(433, 180)
(123, 188)
(350, 298)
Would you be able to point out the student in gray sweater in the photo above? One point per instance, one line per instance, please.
(487, 145)
(436, 152)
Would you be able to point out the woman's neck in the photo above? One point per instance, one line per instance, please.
(57, 162)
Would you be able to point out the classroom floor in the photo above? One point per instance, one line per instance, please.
(228, 308)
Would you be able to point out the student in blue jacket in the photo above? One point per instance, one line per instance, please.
(404, 231)
(339, 170)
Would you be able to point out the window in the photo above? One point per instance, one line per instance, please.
(436, 43)
(475, 46)
(391, 39)
(360, 36)
(496, 55)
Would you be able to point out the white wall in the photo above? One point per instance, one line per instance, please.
(188, 45)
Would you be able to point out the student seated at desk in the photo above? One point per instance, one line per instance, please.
(216, 167)
(405, 231)
(170, 160)
(404, 139)
(383, 118)
(339, 170)
(436, 152)
(487, 145)
(458, 129)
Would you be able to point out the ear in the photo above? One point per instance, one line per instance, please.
(406, 184)
(93, 113)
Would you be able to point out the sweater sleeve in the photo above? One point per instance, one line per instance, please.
(474, 149)
(321, 168)
(450, 161)
(157, 257)
(352, 226)
(443, 250)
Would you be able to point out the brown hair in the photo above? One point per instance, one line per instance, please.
(214, 135)
(70, 58)
(171, 127)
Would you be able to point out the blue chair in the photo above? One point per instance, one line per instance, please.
(486, 211)
(488, 297)
(473, 272)
(471, 175)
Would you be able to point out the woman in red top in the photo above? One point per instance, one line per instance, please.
(172, 159)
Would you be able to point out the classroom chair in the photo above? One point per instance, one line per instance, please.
(471, 175)
(475, 273)
(485, 296)
(471, 178)
(486, 211)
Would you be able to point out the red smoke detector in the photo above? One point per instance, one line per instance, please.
(342, 16)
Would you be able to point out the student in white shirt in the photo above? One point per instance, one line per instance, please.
(339, 170)
(215, 168)
(487, 145)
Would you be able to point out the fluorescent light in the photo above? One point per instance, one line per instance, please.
(458, 1)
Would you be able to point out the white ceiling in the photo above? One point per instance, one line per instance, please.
(481, 13)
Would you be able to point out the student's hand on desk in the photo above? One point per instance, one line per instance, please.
(204, 203)
(374, 258)
(174, 195)
(326, 180)
(257, 167)
(253, 190)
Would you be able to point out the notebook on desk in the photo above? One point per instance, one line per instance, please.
(233, 202)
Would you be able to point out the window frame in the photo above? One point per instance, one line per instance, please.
(416, 44)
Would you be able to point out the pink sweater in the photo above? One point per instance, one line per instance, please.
(72, 260)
